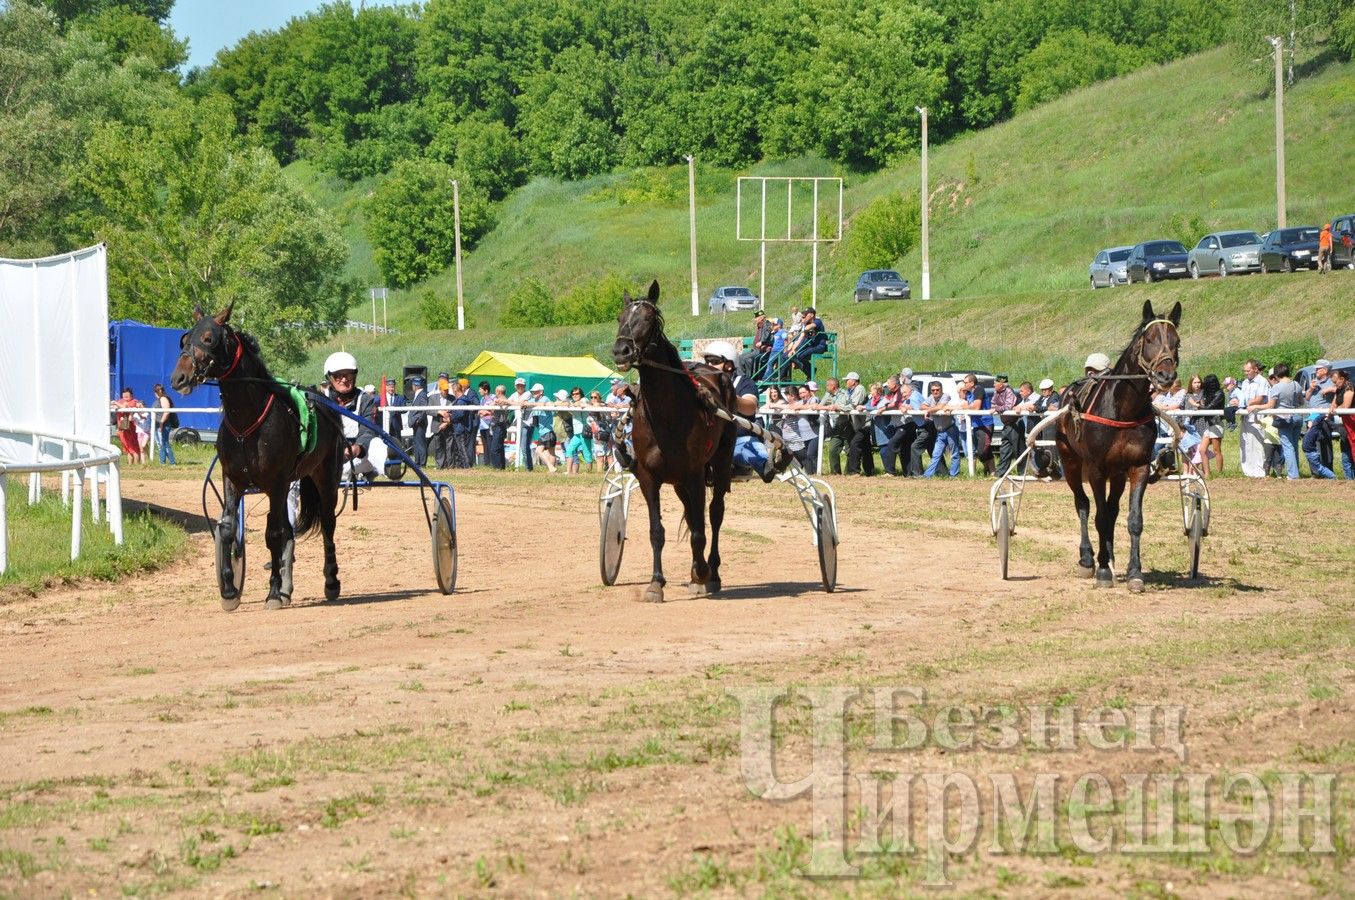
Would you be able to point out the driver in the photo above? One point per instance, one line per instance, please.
(1096, 364)
(749, 451)
(365, 454)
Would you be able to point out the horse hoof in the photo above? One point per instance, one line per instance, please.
(697, 589)
(713, 587)
(1135, 584)
(273, 603)
(332, 591)
(1104, 578)
(1085, 571)
(231, 604)
(654, 594)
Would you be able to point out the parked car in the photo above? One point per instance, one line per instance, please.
(1155, 260)
(882, 284)
(1108, 269)
(1343, 242)
(1225, 253)
(732, 299)
(1287, 249)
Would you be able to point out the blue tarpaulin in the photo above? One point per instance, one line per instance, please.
(140, 356)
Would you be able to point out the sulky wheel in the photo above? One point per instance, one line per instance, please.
(613, 541)
(1004, 535)
(827, 533)
(1196, 537)
(234, 553)
(443, 533)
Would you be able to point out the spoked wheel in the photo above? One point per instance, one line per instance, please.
(1196, 537)
(234, 553)
(613, 541)
(1004, 534)
(443, 535)
(827, 546)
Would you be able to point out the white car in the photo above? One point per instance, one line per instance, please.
(1108, 268)
(732, 298)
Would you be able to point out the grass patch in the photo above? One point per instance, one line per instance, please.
(40, 545)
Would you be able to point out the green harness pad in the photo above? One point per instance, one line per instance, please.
(306, 415)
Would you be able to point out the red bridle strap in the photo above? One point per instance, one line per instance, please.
(241, 435)
(1116, 423)
(239, 352)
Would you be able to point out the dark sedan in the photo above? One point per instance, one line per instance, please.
(1287, 249)
(1155, 260)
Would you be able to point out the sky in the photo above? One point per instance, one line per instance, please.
(212, 25)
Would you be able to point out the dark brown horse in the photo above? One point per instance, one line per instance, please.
(678, 440)
(1108, 438)
(259, 444)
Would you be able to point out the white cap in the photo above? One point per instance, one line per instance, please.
(1097, 361)
(561, 394)
(722, 349)
(1046, 383)
(812, 385)
(340, 361)
(852, 376)
(521, 381)
(538, 387)
(1322, 364)
(369, 389)
(907, 372)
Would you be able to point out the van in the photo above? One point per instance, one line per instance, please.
(1343, 242)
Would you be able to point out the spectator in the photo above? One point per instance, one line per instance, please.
(775, 369)
(937, 408)
(418, 420)
(1317, 439)
(580, 444)
(169, 420)
(884, 398)
(838, 430)
(1324, 250)
(754, 359)
(1233, 393)
(1003, 405)
(860, 461)
(1251, 449)
(465, 426)
(390, 399)
(1285, 394)
(980, 427)
(126, 424)
(1344, 398)
(522, 399)
(813, 339)
(599, 430)
(1209, 428)
(810, 410)
(905, 433)
(1046, 461)
(500, 418)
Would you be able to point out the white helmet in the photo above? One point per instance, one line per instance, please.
(340, 361)
(722, 349)
(1098, 361)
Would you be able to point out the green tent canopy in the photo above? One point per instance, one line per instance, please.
(552, 372)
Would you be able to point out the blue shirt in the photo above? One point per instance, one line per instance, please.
(979, 421)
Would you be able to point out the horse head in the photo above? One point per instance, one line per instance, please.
(1159, 345)
(210, 349)
(637, 324)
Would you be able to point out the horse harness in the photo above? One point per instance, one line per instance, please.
(1087, 391)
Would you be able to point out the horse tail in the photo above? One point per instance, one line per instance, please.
(308, 519)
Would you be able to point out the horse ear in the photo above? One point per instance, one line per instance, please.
(224, 316)
(1175, 316)
(654, 291)
(626, 298)
(197, 312)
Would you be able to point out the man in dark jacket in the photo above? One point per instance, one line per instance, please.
(465, 425)
(418, 421)
(752, 361)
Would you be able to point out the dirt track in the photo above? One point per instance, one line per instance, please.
(402, 741)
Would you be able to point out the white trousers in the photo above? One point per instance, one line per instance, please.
(371, 465)
(1251, 447)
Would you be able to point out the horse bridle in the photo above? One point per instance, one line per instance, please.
(1163, 356)
(202, 370)
(636, 350)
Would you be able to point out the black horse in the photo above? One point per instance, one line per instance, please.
(1108, 437)
(259, 444)
(677, 437)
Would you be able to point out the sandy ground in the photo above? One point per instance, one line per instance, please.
(402, 741)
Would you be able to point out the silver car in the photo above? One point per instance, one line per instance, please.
(1108, 269)
(731, 299)
(1225, 253)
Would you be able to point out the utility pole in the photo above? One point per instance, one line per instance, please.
(926, 251)
(691, 215)
(456, 224)
(1278, 44)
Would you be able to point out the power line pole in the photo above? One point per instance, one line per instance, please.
(926, 251)
(456, 224)
(691, 215)
(1278, 44)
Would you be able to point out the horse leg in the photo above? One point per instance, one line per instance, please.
(225, 538)
(717, 518)
(693, 496)
(1138, 482)
(329, 496)
(650, 489)
(1072, 473)
(281, 542)
(1105, 531)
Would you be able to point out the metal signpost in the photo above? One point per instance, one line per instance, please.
(821, 190)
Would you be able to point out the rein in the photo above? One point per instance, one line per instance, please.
(1098, 380)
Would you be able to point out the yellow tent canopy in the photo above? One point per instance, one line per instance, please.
(552, 372)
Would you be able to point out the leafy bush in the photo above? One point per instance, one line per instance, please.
(1070, 59)
(436, 312)
(1186, 229)
(529, 305)
(1343, 32)
(884, 231)
(410, 220)
(594, 301)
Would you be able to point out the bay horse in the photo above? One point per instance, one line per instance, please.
(677, 438)
(260, 446)
(1109, 437)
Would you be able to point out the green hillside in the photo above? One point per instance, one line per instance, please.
(1017, 212)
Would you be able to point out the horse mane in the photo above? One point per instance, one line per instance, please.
(665, 346)
(252, 345)
(1133, 339)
